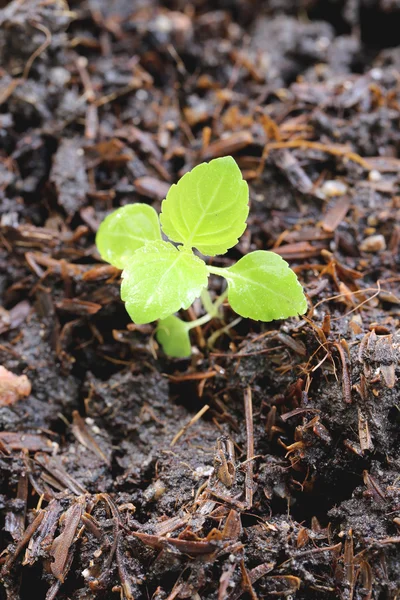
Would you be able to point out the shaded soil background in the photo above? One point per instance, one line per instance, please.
(104, 103)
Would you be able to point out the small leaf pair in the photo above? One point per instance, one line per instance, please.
(206, 210)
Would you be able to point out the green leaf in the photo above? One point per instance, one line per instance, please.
(160, 280)
(126, 230)
(207, 209)
(263, 287)
(173, 335)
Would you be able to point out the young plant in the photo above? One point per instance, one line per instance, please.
(206, 210)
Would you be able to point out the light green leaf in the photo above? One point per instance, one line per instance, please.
(208, 207)
(159, 280)
(173, 335)
(262, 286)
(126, 230)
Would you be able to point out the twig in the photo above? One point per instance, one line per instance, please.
(29, 531)
(246, 581)
(254, 575)
(349, 563)
(191, 422)
(122, 572)
(336, 548)
(39, 50)
(243, 355)
(305, 144)
(346, 382)
(248, 410)
(192, 376)
(377, 291)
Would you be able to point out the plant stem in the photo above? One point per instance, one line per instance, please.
(198, 322)
(217, 270)
(214, 336)
(219, 301)
(207, 302)
(210, 307)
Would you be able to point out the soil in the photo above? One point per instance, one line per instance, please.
(117, 473)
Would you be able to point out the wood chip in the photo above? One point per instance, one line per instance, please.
(25, 441)
(298, 250)
(83, 436)
(61, 544)
(228, 145)
(78, 307)
(336, 214)
(151, 187)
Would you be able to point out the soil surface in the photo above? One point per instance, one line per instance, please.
(268, 464)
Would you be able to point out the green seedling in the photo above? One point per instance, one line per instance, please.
(207, 211)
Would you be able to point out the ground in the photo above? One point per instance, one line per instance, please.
(268, 464)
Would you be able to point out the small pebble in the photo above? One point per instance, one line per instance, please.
(374, 176)
(142, 95)
(333, 188)
(376, 74)
(373, 243)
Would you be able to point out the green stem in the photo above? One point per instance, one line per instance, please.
(207, 302)
(219, 301)
(210, 307)
(198, 322)
(213, 338)
(217, 270)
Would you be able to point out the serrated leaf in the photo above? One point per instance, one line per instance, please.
(263, 287)
(160, 280)
(208, 207)
(126, 230)
(173, 335)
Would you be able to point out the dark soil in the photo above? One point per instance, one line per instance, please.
(105, 103)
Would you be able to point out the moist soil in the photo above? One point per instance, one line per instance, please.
(268, 464)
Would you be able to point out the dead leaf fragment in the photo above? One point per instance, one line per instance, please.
(336, 214)
(61, 544)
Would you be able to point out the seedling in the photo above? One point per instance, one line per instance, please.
(207, 211)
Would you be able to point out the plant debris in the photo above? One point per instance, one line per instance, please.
(13, 387)
(267, 464)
